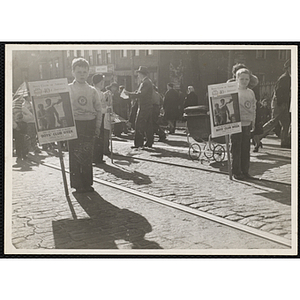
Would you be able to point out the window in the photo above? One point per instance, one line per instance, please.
(99, 57)
(91, 57)
(123, 53)
(24, 74)
(282, 54)
(41, 71)
(70, 53)
(108, 56)
(261, 54)
(149, 52)
(104, 57)
(56, 64)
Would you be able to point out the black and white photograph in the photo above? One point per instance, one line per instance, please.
(224, 110)
(143, 172)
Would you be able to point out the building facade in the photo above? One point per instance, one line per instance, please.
(198, 68)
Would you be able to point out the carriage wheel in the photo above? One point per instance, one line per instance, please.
(208, 151)
(194, 151)
(219, 153)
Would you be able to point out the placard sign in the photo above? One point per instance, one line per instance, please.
(224, 109)
(53, 112)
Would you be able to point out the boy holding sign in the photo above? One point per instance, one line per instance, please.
(241, 141)
(88, 116)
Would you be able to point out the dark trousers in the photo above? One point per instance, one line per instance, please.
(81, 155)
(31, 131)
(156, 127)
(285, 122)
(240, 150)
(143, 128)
(21, 143)
(99, 145)
(132, 116)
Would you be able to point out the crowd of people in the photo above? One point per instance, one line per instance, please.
(95, 109)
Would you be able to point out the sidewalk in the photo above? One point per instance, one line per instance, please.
(108, 219)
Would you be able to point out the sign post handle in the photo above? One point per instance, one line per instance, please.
(228, 156)
(63, 171)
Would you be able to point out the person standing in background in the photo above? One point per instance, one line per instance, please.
(191, 99)
(171, 107)
(144, 122)
(281, 102)
(157, 105)
(31, 130)
(98, 83)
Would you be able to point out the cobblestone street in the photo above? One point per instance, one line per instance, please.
(112, 219)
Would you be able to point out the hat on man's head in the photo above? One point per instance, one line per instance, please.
(170, 84)
(97, 78)
(143, 70)
(287, 64)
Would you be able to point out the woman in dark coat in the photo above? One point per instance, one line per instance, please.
(171, 107)
(191, 99)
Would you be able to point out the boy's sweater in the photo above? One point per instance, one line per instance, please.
(247, 103)
(85, 101)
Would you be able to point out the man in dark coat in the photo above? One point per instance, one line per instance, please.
(191, 99)
(143, 123)
(171, 107)
(281, 104)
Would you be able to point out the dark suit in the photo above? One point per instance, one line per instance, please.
(143, 123)
(171, 107)
(281, 106)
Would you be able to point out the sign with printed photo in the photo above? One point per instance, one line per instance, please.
(224, 109)
(52, 110)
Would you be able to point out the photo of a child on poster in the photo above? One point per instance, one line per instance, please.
(224, 109)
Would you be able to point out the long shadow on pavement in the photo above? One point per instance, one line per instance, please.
(256, 168)
(108, 227)
(120, 172)
(283, 191)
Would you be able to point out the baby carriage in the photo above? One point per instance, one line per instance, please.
(198, 128)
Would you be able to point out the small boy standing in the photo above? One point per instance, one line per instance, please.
(88, 117)
(241, 141)
(102, 143)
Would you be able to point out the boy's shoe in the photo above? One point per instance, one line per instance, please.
(247, 175)
(134, 147)
(238, 176)
(85, 190)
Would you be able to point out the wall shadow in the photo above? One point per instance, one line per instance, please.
(108, 227)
